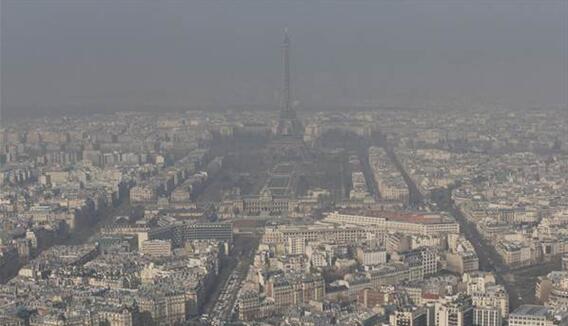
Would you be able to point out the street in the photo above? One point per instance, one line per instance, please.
(221, 304)
(519, 283)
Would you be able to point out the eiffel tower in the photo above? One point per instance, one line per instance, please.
(288, 124)
(287, 143)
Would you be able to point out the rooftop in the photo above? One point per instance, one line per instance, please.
(408, 217)
(531, 310)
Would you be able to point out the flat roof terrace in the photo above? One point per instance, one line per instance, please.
(408, 217)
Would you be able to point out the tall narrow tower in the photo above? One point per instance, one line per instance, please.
(288, 123)
(287, 105)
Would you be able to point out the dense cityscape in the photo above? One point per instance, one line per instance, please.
(357, 215)
(360, 217)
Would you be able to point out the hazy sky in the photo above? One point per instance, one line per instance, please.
(127, 53)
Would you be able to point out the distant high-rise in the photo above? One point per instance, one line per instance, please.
(288, 123)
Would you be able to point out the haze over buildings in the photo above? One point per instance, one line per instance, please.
(251, 176)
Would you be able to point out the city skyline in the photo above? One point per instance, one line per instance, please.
(293, 163)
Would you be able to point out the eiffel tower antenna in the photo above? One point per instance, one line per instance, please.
(286, 61)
